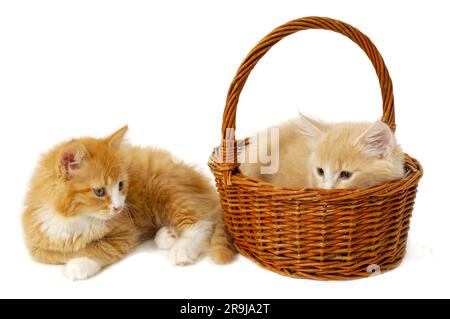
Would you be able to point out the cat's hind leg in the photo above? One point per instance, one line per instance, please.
(165, 238)
(193, 241)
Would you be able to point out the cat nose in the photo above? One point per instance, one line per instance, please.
(328, 185)
(117, 209)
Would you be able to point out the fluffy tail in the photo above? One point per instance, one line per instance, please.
(220, 249)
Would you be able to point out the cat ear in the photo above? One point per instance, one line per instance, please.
(310, 128)
(116, 138)
(71, 159)
(377, 140)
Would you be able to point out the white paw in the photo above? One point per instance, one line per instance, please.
(184, 252)
(81, 268)
(165, 238)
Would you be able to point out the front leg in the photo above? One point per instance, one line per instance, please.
(81, 268)
(76, 267)
(88, 261)
(100, 254)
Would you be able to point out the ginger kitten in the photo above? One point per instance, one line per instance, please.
(91, 201)
(323, 155)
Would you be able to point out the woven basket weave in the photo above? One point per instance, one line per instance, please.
(314, 233)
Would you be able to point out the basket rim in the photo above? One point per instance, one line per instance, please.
(413, 174)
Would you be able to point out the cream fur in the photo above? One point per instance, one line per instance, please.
(368, 151)
(58, 227)
(165, 238)
(192, 242)
(81, 268)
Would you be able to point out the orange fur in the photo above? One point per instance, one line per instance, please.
(368, 151)
(64, 219)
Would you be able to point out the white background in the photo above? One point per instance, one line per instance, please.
(71, 68)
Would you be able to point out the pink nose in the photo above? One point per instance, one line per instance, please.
(117, 209)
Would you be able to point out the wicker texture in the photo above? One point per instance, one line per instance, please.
(314, 233)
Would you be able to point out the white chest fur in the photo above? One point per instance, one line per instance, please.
(60, 228)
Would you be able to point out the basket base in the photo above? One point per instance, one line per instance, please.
(363, 269)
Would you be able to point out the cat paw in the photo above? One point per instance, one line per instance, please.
(165, 238)
(183, 253)
(81, 268)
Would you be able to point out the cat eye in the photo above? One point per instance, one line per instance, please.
(345, 175)
(121, 185)
(320, 171)
(99, 192)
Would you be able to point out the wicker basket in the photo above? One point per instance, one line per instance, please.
(314, 233)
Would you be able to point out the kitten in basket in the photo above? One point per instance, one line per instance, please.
(313, 153)
(91, 201)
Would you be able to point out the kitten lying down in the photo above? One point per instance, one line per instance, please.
(91, 201)
(323, 155)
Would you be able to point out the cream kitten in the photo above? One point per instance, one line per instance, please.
(324, 155)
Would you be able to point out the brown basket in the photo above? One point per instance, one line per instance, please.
(314, 233)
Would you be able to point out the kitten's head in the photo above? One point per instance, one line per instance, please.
(93, 176)
(351, 155)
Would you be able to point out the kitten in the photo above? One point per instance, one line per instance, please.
(91, 201)
(323, 155)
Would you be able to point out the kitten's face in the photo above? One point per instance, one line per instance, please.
(103, 190)
(95, 177)
(351, 155)
(340, 164)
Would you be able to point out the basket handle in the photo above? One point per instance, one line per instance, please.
(229, 114)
